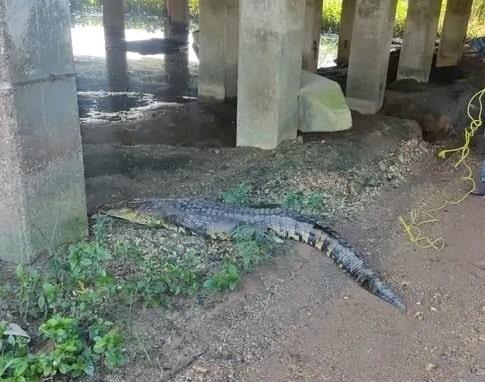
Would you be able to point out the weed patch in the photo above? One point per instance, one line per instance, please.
(313, 202)
(239, 194)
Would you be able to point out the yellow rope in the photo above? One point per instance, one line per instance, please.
(418, 217)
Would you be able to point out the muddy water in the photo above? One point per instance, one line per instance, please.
(116, 84)
(120, 84)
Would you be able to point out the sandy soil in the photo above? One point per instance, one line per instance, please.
(300, 319)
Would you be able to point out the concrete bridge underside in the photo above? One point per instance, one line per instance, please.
(250, 50)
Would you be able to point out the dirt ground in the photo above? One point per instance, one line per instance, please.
(300, 319)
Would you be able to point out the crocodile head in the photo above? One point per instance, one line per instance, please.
(151, 213)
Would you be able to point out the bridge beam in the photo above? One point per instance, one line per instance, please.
(42, 193)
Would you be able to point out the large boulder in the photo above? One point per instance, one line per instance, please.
(322, 105)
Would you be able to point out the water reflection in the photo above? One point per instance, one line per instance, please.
(122, 71)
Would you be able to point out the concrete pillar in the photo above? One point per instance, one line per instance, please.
(42, 194)
(177, 19)
(212, 40)
(231, 49)
(454, 31)
(369, 56)
(218, 49)
(115, 44)
(311, 35)
(345, 33)
(270, 39)
(419, 40)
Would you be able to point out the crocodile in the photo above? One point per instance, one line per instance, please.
(220, 220)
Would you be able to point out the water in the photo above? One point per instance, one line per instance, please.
(121, 84)
(118, 84)
(328, 50)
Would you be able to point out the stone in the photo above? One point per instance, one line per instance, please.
(322, 105)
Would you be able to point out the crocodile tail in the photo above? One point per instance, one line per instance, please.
(347, 259)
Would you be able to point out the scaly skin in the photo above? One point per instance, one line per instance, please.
(220, 220)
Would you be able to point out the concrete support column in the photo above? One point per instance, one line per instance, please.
(212, 41)
(42, 194)
(218, 49)
(419, 40)
(345, 33)
(115, 44)
(369, 55)
(177, 19)
(270, 39)
(454, 31)
(311, 34)
(231, 49)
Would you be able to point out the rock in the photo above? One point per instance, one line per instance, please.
(15, 330)
(322, 105)
(430, 366)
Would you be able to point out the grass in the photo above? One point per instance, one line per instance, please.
(70, 305)
(139, 10)
(332, 9)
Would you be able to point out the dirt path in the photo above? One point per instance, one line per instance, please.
(300, 319)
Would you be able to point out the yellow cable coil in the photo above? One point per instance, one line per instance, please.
(419, 218)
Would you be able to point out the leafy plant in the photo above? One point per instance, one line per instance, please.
(161, 277)
(227, 278)
(252, 247)
(66, 350)
(101, 227)
(298, 201)
(109, 348)
(84, 261)
(238, 194)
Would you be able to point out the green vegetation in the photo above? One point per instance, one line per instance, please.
(146, 13)
(237, 195)
(477, 21)
(227, 278)
(313, 202)
(66, 348)
(332, 10)
(74, 298)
